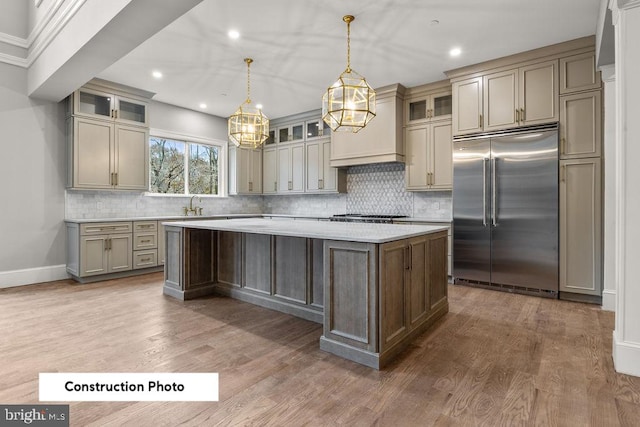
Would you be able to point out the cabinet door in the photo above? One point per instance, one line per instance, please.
(269, 171)
(539, 93)
(580, 226)
(131, 111)
(394, 268)
(255, 171)
(578, 73)
(467, 106)
(314, 167)
(242, 164)
(284, 160)
(441, 156)
(581, 125)
(93, 255)
(297, 168)
(500, 100)
(440, 106)
(93, 103)
(120, 252)
(92, 153)
(329, 180)
(416, 173)
(131, 158)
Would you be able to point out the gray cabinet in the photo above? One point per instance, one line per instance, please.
(428, 164)
(145, 244)
(581, 125)
(581, 226)
(269, 170)
(291, 168)
(245, 171)
(111, 106)
(320, 176)
(104, 248)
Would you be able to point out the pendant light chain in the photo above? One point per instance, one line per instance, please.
(248, 61)
(348, 20)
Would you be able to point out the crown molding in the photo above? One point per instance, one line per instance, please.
(42, 34)
(628, 4)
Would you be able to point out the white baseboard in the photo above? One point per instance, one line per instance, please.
(28, 276)
(609, 300)
(626, 357)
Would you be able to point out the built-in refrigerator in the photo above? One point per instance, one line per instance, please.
(505, 211)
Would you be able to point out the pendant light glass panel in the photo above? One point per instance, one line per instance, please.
(349, 104)
(248, 126)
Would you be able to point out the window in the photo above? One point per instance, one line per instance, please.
(185, 167)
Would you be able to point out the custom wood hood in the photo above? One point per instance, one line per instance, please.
(381, 140)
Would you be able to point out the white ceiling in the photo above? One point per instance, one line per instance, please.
(299, 47)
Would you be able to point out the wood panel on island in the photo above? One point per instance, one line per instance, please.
(374, 287)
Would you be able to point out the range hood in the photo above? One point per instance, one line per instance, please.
(381, 140)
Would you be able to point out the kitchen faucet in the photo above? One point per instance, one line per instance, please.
(197, 210)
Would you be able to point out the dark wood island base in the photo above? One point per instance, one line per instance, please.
(373, 299)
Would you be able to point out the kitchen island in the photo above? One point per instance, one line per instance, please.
(374, 287)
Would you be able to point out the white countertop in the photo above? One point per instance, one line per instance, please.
(348, 231)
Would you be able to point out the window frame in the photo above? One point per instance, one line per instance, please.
(223, 150)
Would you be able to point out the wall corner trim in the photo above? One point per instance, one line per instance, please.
(626, 356)
(28, 276)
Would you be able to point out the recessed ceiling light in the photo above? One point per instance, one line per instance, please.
(203, 105)
(233, 34)
(456, 51)
(435, 22)
(157, 74)
(259, 106)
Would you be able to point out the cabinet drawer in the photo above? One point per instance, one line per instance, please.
(145, 241)
(105, 228)
(145, 259)
(145, 226)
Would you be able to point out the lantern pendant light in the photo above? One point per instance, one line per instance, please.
(350, 103)
(248, 126)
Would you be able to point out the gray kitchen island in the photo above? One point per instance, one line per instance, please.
(374, 287)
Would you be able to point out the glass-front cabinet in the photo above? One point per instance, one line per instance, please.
(316, 129)
(428, 107)
(291, 133)
(102, 105)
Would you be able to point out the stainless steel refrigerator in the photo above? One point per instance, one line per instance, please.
(505, 211)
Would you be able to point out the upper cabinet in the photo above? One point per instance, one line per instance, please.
(428, 164)
(426, 107)
(108, 138)
(467, 106)
(578, 73)
(109, 106)
(320, 176)
(245, 170)
(522, 96)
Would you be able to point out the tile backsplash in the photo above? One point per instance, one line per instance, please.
(371, 189)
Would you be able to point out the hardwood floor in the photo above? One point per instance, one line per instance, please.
(495, 359)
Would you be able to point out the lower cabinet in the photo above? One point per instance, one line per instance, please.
(581, 226)
(379, 297)
(99, 249)
(413, 282)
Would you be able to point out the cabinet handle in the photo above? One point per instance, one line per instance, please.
(111, 180)
(145, 241)
(250, 186)
(481, 124)
(275, 186)
(522, 115)
(407, 257)
(517, 116)
(115, 114)
(562, 173)
(290, 185)
(145, 259)
(320, 184)
(562, 144)
(111, 115)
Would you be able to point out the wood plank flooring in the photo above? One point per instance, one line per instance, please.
(494, 359)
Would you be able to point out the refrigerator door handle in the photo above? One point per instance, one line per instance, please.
(494, 162)
(484, 191)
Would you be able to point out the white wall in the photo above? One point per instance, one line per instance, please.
(32, 179)
(187, 122)
(13, 19)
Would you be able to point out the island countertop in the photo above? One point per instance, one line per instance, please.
(345, 231)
